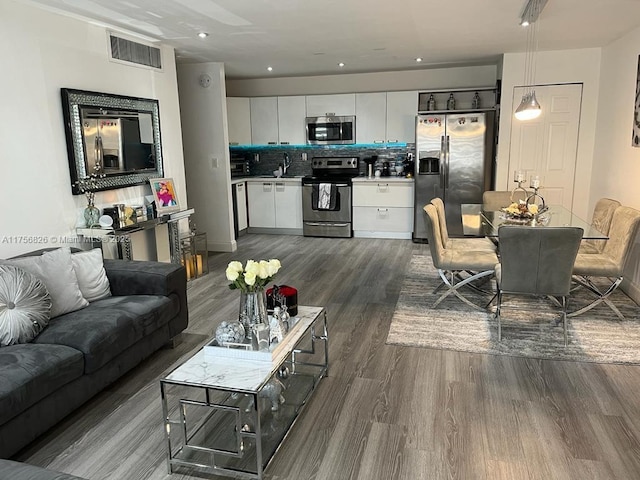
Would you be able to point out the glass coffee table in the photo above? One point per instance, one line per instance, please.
(228, 414)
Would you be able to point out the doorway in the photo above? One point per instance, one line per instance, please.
(547, 146)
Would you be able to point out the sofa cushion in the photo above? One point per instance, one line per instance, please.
(109, 326)
(55, 269)
(25, 306)
(30, 372)
(22, 471)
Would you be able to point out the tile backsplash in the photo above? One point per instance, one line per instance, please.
(263, 160)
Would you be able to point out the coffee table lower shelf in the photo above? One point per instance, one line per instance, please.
(222, 427)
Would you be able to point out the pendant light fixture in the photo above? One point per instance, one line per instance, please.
(529, 107)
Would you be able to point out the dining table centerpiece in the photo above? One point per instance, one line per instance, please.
(524, 212)
(251, 279)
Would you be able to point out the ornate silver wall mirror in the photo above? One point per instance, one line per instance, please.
(114, 136)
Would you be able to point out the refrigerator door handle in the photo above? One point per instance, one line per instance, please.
(441, 167)
(446, 156)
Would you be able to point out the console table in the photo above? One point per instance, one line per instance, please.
(161, 234)
(228, 416)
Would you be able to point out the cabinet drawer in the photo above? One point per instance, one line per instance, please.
(383, 219)
(382, 194)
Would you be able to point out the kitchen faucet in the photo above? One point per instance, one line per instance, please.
(287, 164)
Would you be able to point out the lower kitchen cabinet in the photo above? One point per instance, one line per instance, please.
(275, 205)
(383, 208)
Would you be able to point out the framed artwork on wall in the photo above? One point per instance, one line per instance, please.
(164, 194)
(635, 140)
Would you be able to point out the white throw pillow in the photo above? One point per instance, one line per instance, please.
(25, 306)
(55, 269)
(92, 278)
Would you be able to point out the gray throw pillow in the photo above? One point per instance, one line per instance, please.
(92, 277)
(25, 306)
(56, 271)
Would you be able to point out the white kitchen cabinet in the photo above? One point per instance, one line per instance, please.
(383, 209)
(339, 104)
(239, 120)
(241, 206)
(371, 117)
(262, 204)
(291, 114)
(288, 205)
(264, 120)
(402, 108)
(275, 204)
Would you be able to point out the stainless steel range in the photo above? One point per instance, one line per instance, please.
(326, 197)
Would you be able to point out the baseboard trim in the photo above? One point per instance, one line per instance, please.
(231, 246)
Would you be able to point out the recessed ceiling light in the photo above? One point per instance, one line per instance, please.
(203, 34)
(419, 59)
(341, 64)
(270, 69)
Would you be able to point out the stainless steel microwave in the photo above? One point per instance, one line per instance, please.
(331, 130)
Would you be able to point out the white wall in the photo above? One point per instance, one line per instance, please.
(434, 78)
(206, 152)
(557, 67)
(616, 164)
(41, 52)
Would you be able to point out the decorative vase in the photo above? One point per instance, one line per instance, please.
(91, 216)
(230, 332)
(253, 311)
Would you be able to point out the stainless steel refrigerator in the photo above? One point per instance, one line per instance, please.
(454, 161)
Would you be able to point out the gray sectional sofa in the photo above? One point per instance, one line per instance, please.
(81, 352)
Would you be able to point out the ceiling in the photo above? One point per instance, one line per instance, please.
(303, 37)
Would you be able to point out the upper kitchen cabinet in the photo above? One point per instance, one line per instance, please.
(340, 104)
(371, 117)
(402, 108)
(264, 120)
(239, 120)
(291, 114)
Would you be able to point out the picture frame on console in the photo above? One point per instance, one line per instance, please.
(164, 194)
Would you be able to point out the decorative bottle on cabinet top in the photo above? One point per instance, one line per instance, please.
(431, 104)
(451, 103)
(475, 103)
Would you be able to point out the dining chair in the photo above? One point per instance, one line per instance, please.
(601, 221)
(610, 262)
(452, 263)
(479, 243)
(494, 200)
(536, 262)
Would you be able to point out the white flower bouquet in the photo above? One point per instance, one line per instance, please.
(253, 276)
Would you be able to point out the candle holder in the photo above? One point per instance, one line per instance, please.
(195, 255)
(535, 185)
(519, 178)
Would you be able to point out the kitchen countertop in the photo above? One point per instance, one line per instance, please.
(382, 180)
(266, 178)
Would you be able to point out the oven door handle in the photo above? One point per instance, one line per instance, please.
(325, 224)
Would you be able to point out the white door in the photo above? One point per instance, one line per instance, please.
(239, 120)
(402, 108)
(547, 146)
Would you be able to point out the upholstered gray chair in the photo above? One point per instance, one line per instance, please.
(601, 221)
(492, 201)
(479, 243)
(536, 261)
(451, 263)
(610, 262)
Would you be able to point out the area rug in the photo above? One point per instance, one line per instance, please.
(594, 336)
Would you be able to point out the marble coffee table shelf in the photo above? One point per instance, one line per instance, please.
(229, 415)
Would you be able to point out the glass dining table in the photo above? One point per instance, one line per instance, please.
(477, 222)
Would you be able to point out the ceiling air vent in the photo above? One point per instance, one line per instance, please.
(132, 52)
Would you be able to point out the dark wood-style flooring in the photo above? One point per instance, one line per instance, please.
(385, 412)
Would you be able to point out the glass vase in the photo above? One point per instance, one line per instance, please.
(91, 216)
(253, 311)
